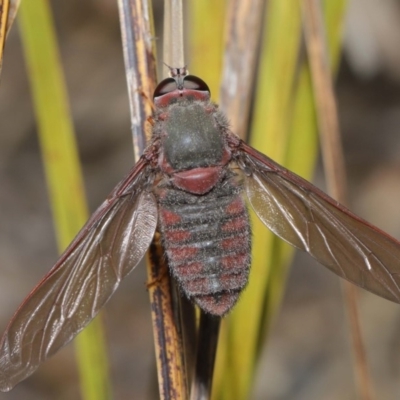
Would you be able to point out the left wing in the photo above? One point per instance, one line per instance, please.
(107, 248)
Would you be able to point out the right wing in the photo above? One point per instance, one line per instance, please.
(304, 216)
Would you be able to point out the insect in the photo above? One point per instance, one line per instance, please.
(191, 182)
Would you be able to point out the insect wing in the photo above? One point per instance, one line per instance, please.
(310, 220)
(107, 248)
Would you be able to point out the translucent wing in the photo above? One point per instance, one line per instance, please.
(310, 220)
(107, 248)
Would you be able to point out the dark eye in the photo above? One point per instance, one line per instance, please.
(194, 83)
(166, 86)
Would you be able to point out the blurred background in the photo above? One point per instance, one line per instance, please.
(308, 355)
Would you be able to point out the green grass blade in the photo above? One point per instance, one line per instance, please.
(284, 128)
(62, 169)
(269, 135)
(206, 37)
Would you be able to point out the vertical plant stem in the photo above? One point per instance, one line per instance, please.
(8, 11)
(185, 318)
(184, 314)
(173, 49)
(4, 8)
(138, 45)
(170, 366)
(327, 113)
(243, 35)
(136, 22)
(207, 343)
(334, 164)
(62, 169)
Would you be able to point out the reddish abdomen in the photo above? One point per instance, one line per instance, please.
(207, 241)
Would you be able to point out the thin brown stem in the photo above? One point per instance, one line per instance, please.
(4, 26)
(184, 312)
(140, 68)
(333, 162)
(138, 46)
(243, 34)
(168, 346)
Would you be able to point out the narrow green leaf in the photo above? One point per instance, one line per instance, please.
(284, 127)
(206, 36)
(62, 168)
(269, 135)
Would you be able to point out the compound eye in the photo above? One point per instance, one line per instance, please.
(192, 82)
(166, 86)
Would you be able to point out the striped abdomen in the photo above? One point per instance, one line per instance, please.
(207, 241)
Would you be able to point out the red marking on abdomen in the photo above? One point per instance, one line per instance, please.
(235, 225)
(235, 207)
(234, 281)
(189, 269)
(234, 262)
(229, 244)
(177, 236)
(169, 217)
(198, 286)
(184, 253)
